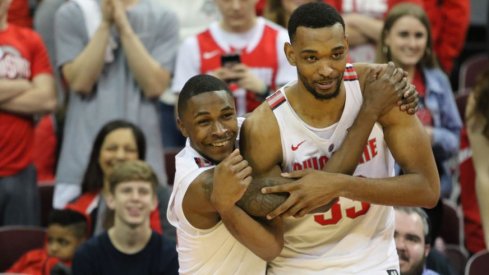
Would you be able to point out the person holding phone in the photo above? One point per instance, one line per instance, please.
(242, 49)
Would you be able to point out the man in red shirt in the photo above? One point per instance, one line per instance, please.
(26, 89)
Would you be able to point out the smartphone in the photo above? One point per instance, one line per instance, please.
(228, 60)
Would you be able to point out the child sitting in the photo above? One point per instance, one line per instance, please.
(67, 229)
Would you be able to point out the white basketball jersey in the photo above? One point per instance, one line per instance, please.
(209, 251)
(353, 237)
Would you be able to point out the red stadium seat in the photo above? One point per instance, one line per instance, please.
(478, 264)
(17, 240)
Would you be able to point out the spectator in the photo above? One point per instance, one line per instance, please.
(449, 23)
(412, 240)
(116, 59)
(407, 41)
(194, 17)
(117, 141)
(130, 246)
(26, 90)
(20, 12)
(476, 189)
(258, 65)
(67, 230)
(279, 11)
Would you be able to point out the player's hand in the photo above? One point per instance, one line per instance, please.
(307, 194)
(384, 88)
(231, 179)
(409, 100)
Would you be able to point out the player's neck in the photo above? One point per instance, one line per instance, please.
(314, 112)
(128, 239)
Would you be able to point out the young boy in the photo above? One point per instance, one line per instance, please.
(67, 229)
(130, 246)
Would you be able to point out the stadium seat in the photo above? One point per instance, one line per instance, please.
(478, 264)
(17, 240)
(46, 191)
(470, 69)
(457, 257)
(451, 231)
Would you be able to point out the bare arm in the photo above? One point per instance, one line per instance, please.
(213, 196)
(480, 149)
(10, 88)
(82, 73)
(151, 77)
(39, 98)
(369, 27)
(383, 87)
(410, 146)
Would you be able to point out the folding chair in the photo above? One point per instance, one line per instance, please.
(451, 229)
(457, 257)
(470, 69)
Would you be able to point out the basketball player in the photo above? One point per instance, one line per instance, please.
(306, 122)
(216, 236)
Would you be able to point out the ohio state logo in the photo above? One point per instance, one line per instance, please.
(12, 64)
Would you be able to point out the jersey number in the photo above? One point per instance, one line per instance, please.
(336, 213)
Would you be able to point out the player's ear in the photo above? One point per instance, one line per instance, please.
(181, 127)
(289, 53)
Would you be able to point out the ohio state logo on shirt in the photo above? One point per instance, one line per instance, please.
(12, 64)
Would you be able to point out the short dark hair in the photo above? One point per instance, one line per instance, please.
(74, 221)
(199, 84)
(313, 15)
(93, 179)
(131, 171)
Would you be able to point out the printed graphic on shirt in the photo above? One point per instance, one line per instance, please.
(12, 64)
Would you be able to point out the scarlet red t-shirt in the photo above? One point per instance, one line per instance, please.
(22, 56)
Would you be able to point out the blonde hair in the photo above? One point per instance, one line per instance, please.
(132, 170)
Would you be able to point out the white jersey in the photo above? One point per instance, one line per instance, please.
(205, 251)
(353, 237)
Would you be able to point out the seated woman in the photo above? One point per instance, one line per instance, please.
(116, 142)
(406, 39)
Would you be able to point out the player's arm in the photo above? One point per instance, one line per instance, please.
(411, 148)
(39, 98)
(419, 186)
(213, 196)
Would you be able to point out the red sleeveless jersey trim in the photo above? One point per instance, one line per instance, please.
(350, 73)
(276, 99)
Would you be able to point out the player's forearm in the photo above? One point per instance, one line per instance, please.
(151, 77)
(10, 88)
(83, 72)
(265, 240)
(406, 190)
(346, 159)
(41, 98)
